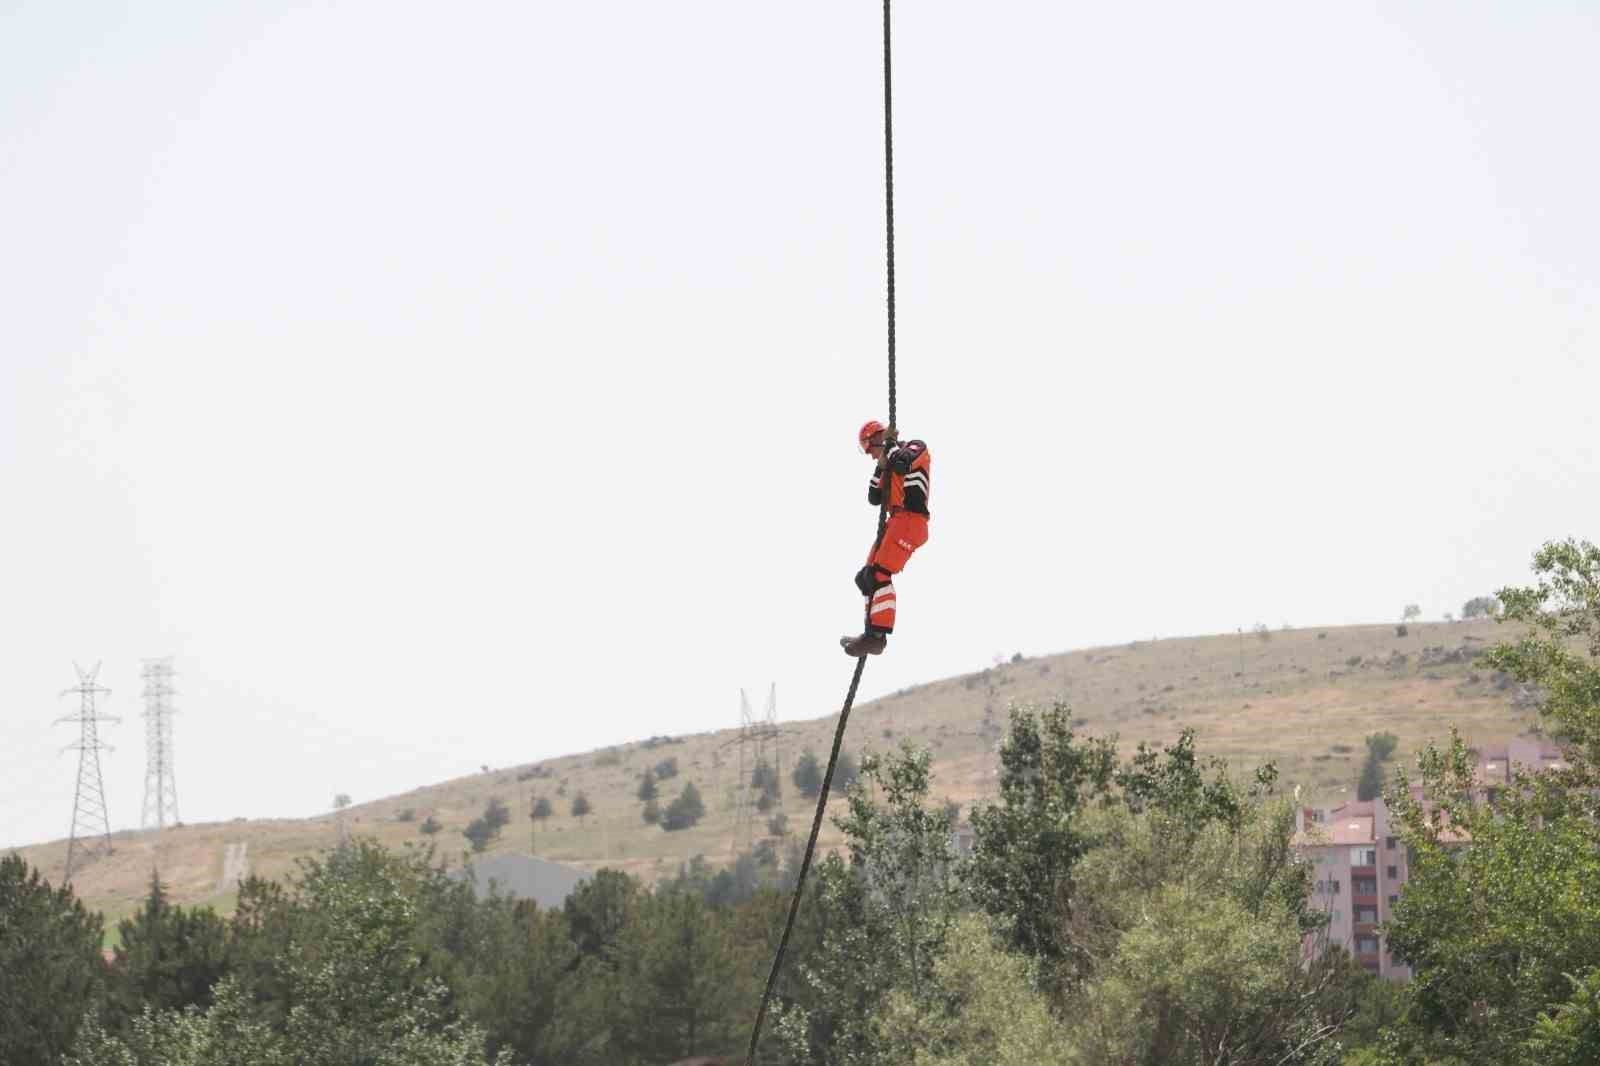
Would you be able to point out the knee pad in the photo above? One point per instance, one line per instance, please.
(868, 579)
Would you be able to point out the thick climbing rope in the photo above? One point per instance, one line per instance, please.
(883, 519)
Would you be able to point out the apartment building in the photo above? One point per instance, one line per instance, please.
(1361, 866)
(1359, 869)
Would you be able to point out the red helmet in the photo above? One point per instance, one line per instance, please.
(869, 430)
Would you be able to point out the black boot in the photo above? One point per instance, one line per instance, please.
(868, 643)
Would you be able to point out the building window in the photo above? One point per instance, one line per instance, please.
(1366, 915)
(1392, 901)
(1363, 856)
(1333, 886)
(1366, 944)
(1392, 872)
(1388, 843)
(1364, 886)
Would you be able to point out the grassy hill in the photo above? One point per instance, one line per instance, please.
(1304, 698)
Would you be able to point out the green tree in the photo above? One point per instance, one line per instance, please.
(884, 915)
(1480, 607)
(1500, 917)
(1560, 652)
(485, 829)
(581, 805)
(496, 814)
(980, 1006)
(1026, 845)
(1380, 748)
(259, 937)
(479, 834)
(169, 958)
(685, 811)
(1492, 927)
(682, 985)
(538, 812)
(1569, 1035)
(1189, 918)
(667, 768)
(647, 786)
(807, 774)
(523, 989)
(50, 964)
(598, 910)
(1370, 784)
(352, 976)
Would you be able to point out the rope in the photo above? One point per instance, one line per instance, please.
(888, 203)
(805, 864)
(883, 521)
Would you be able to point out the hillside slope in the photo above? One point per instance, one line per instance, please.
(1304, 698)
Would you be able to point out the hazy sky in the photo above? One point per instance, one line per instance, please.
(450, 384)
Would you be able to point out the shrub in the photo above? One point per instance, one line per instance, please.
(430, 826)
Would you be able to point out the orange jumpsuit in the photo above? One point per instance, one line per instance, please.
(909, 469)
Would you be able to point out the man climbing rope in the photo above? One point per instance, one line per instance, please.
(907, 466)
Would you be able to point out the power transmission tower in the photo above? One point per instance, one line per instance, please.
(758, 747)
(160, 785)
(773, 733)
(89, 817)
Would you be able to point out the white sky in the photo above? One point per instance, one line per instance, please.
(475, 383)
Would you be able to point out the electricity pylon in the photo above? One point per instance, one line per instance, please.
(160, 784)
(89, 816)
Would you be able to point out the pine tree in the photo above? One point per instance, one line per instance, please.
(807, 774)
(682, 984)
(50, 964)
(685, 811)
(169, 958)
